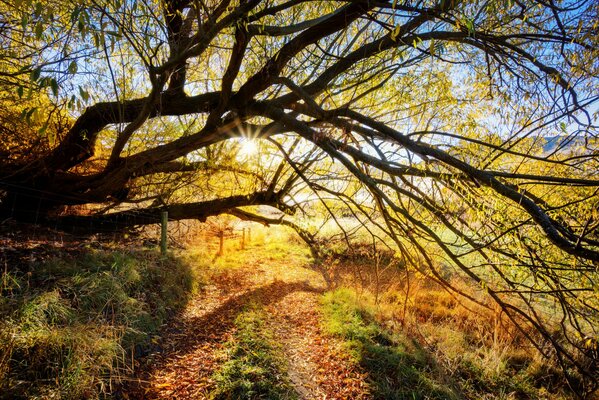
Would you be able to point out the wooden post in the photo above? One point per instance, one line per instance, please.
(243, 239)
(249, 235)
(163, 231)
(221, 236)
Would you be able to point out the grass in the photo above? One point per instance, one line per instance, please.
(70, 326)
(275, 244)
(397, 366)
(451, 358)
(255, 367)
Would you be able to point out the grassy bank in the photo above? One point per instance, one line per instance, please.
(397, 366)
(70, 327)
(437, 359)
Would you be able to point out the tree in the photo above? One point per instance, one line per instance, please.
(459, 130)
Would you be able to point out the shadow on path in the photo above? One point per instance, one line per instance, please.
(186, 361)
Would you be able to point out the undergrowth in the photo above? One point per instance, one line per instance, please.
(446, 362)
(71, 326)
(396, 365)
(255, 368)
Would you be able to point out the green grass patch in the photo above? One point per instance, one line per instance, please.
(397, 366)
(452, 366)
(69, 327)
(256, 367)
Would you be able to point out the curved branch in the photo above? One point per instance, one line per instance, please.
(151, 215)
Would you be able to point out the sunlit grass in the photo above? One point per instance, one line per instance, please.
(397, 366)
(70, 328)
(275, 244)
(452, 342)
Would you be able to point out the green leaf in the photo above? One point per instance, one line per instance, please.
(395, 33)
(35, 74)
(39, 30)
(83, 93)
(28, 114)
(72, 102)
(54, 86)
(24, 21)
(73, 67)
(43, 129)
(470, 26)
(98, 39)
(83, 23)
(20, 91)
(75, 14)
(113, 33)
(562, 126)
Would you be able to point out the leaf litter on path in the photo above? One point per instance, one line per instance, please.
(192, 344)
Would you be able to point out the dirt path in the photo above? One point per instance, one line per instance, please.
(318, 368)
(192, 345)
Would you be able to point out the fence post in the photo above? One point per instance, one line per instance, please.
(163, 231)
(221, 243)
(243, 239)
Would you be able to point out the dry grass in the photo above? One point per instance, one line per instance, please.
(478, 350)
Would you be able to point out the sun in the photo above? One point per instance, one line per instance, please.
(249, 148)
